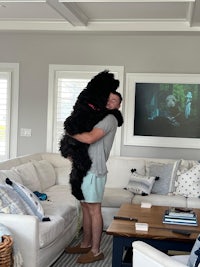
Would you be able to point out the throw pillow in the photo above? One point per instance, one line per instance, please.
(29, 197)
(29, 176)
(186, 165)
(46, 173)
(166, 173)
(11, 203)
(194, 258)
(140, 184)
(188, 183)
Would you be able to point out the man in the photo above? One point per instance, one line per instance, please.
(100, 139)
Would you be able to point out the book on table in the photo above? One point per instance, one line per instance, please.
(180, 216)
(180, 212)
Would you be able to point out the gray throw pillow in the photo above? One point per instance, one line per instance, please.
(164, 172)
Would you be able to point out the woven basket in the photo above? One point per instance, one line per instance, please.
(6, 246)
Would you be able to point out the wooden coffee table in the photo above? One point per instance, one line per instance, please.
(159, 235)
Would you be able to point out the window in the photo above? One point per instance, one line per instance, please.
(65, 84)
(9, 81)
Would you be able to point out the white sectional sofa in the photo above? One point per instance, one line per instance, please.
(42, 242)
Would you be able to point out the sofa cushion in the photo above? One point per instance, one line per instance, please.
(193, 202)
(194, 258)
(62, 175)
(161, 200)
(56, 160)
(188, 183)
(62, 167)
(114, 197)
(29, 176)
(61, 203)
(50, 230)
(166, 173)
(29, 197)
(45, 173)
(119, 170)
(140, 184)
(11, 174)
(11, 203)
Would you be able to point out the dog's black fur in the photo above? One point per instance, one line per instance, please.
(88, 110)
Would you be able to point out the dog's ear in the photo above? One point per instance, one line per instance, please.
(118, 116)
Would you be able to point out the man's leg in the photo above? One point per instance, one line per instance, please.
(93, 189)
(97, 226)
(87, 226)
(86, 242)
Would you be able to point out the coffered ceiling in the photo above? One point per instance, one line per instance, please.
(101, 16)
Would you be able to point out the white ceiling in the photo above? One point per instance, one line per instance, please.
(101, 16)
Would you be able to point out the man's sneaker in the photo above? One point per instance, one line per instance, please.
(77, 249)
(90, 257)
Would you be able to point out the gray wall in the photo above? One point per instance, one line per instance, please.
(137, 53)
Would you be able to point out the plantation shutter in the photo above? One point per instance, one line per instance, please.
(68, 87)
(5, 90)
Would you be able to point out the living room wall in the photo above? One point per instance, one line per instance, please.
(145, 53)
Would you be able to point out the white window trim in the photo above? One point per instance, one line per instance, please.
(116, 148)
(13, 127)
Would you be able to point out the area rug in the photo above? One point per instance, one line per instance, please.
(69, 260)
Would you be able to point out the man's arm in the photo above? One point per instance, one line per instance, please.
(90, 137)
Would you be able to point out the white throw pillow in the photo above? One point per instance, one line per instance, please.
(29, 197)
(186, 165)
(46, 173)
(140, 184)
(188, 183)
(29, 176)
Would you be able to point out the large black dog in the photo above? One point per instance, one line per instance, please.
(88, 110)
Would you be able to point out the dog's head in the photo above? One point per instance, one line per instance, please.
(99, 88)
(104, 81)
(171, 101)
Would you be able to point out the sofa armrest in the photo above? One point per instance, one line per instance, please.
(146, 255)
(25, 230)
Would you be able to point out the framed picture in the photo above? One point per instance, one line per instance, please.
(162, 110)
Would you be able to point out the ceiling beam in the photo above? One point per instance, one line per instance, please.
(70, 12)
(23, 1)
(125, 1)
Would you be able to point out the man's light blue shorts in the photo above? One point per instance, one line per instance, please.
(93, 188)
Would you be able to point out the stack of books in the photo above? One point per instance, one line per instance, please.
(180, 216)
